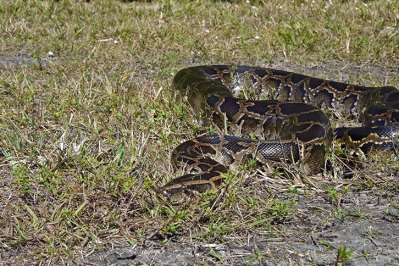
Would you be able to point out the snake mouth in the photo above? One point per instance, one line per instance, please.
(178, 196)
(175, 197)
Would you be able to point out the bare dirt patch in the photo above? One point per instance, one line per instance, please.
(365, 222)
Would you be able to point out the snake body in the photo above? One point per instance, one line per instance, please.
(292, 129)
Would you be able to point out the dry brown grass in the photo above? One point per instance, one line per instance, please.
(87, 120)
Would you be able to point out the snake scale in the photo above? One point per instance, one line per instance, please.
(293, 128)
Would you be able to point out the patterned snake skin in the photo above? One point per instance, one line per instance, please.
(292, 129)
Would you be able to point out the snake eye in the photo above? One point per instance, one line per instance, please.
(166, 193)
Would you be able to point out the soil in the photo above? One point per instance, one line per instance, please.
(308, 239)
(25, 60)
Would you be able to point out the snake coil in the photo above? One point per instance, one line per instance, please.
(291, 129)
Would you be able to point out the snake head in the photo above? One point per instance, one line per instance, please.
(182, 189)
(176, 196)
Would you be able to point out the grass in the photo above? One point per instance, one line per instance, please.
(88, 121)
(344, 255)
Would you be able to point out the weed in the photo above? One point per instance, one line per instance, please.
(344, 255)
(325, 243)
(339, 213)
(370, 233)
(333, 194)
(257, 257)
(281, 210)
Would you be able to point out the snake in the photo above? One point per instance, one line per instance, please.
(292, 128)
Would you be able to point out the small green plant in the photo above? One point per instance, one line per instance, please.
(292, 190)
(250, 164)
(339, 213)
(366, 254)
(22, 178)
(394, 205)
(370, 233)
(171, 228)
(333, 194)
(178, 217)
(358, 214)
(281, 210)
(346, 190)
(215, 254)
(344, 255)
(341, 151)
(256, 257)
(148, 183)
(325, 243)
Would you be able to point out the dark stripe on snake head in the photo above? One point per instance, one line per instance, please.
(228, 158)
(205, 149)
(180, 160)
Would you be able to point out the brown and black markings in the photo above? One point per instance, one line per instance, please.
(291, 128)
